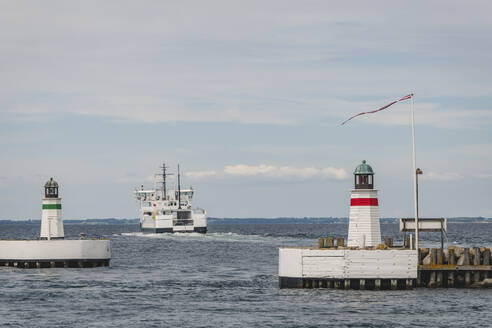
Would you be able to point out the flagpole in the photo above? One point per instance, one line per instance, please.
(414, 177)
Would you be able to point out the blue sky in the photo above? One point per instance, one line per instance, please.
(248, 97)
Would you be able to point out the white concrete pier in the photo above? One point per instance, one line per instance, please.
(52, 249)
(65, 253)
(300, 264)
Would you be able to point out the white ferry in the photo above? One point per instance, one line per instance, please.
(163, 210)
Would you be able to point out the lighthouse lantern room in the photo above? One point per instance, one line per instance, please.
(51, 220)
(364, 228)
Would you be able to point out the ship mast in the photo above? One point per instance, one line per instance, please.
(164, 175)
(179, 189)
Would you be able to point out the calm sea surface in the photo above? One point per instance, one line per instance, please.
(227, 278)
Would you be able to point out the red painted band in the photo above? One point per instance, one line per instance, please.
(364, 202)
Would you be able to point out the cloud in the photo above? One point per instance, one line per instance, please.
(222, 62)
(200, 174)
(444, 176)
(264, 171)
(483, 176)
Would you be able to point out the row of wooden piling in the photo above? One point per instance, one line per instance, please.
(331, 242)
(41, 264)
(360, 284)
(455, 267)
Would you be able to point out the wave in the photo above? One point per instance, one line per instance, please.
(213, 236)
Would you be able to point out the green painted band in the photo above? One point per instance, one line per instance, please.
(51, 206)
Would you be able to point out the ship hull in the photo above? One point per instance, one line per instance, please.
(193, 222)
(171, 230)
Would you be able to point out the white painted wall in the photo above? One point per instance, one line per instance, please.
(51, 220)
(199, 219)
(162, 221)
(347, 264)
(54, 249)
(290, 262)
(364, 227)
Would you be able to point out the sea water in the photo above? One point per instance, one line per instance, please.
(226, 278)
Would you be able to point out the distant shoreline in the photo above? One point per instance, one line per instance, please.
(211, 221)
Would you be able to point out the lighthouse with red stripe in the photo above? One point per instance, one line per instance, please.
(364, 229)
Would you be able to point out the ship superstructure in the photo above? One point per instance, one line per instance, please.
(169, 210)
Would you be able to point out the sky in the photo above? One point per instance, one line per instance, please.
(248, 97)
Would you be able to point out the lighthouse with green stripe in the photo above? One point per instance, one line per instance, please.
(51, 220)
(364, 229)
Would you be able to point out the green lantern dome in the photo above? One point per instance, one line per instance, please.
(363, 168)
(51, 189)
(51, 184)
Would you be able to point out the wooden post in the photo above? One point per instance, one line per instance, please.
(434, 259)
(451, 257)
(394, 284)
(467, 278)
(340, 242)
(466, 257)
(377, 284)
(486, 256)
(476, 256)
(486, 261)
(347, 284)
(38, 264)
(476, 262)
(336, 284)
(439, 280)
(409, 283)
(329, 242)
(433, 254)
(362, 284)
(451, 261)
(439, 260)
(321, 243)
(388, 241)
(440, 256)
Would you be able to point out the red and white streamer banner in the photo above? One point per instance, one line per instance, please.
(377, 110)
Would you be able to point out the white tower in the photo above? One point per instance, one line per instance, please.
(51, 220)
(364, 229)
